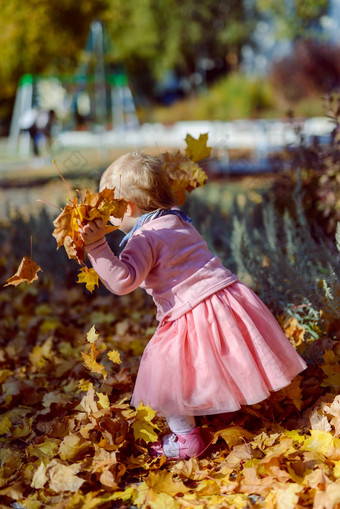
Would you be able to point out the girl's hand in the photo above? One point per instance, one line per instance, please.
(92, 232)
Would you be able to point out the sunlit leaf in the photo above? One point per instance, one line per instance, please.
(89, 277)
(92, 335)
(197, 150)
(26, 273)
(91, 363)
(114, 356)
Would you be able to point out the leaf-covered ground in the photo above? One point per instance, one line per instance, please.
(69, 438)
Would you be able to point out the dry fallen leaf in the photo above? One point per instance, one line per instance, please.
(26, 273)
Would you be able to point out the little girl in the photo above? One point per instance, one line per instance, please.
(217, 346)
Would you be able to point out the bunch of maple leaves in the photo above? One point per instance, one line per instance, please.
(69, 438)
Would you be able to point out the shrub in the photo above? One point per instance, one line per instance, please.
(313, 68)
(318, 168)
(234, 96)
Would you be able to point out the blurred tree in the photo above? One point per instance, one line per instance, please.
(149, 36)
(294, 19)
(40, 36)
(153, 36)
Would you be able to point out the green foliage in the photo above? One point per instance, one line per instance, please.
(237, 96)
(171, 34)
(293, 19)
(231, 97)
(42, 36)
(148, 37)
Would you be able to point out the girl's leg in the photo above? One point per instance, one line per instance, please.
(181, 424)
(185, 440)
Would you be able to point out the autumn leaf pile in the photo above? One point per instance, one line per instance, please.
(69, 438)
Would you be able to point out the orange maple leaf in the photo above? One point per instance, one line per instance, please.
(26, 273)
(76, 214)
(91, 363)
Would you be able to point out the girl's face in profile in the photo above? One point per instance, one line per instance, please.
(129, 220)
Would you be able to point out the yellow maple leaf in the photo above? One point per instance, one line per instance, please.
(103, 400)
(129, 493)
(84, 385)
(88, 403)
(233, 435)
(92, 335)
(40, 354)
(163, 482)
(159, 489)
(65, 224)
(287, 497)
(89, 277)
(333, 409)
(337, 469)
(319, 441)
(143, 428)
(5, 425)
(114, 356)
(197, 150)
(26, 273)
(91, 363)
(328, 498)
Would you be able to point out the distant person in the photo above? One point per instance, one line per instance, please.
(48, 129)
(38, 123)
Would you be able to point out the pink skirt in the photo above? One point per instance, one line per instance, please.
(226, 352)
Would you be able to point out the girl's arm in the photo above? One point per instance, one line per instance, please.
(121, 275)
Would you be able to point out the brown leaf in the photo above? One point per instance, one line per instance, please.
(26, 273)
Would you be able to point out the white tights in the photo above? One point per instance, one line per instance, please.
(181, 424)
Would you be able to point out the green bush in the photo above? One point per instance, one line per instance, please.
(232, 97)
(237, 96)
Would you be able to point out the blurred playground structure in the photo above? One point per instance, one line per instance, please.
(96, 98)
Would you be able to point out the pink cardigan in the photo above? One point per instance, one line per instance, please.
(169, 259)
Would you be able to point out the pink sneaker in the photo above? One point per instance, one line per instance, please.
(179, 446)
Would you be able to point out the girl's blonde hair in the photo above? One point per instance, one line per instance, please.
(141, 179)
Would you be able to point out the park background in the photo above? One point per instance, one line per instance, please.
(261, 77)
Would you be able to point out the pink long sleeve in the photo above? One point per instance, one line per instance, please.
(121, 275)
(168, 258)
